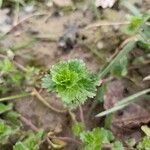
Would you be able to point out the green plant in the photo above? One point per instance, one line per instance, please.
(10, 76)
(98, 138)
(144, 144)
(78, 128)
(30, 142)
(72, 82)
(6, 132)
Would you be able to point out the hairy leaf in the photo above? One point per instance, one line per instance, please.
(72, 81)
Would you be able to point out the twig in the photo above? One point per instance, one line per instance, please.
(29, 123)
(36, 93)
(19, 66)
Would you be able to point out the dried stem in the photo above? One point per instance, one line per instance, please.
(40, 98)
(29, 123)
(72, 115)
(68, 139)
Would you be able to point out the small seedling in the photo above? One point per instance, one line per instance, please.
(98, 138)
(72, 81)
(31, 142)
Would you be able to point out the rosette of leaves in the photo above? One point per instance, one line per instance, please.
(72, 81)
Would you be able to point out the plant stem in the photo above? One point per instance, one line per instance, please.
(72, 115)
(29, 123)
(81, 115)
(40, 98)
(15, 97)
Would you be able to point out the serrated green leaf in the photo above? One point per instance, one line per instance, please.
(72, 81)
(96, 138)
(48, 83)
(135, 23)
